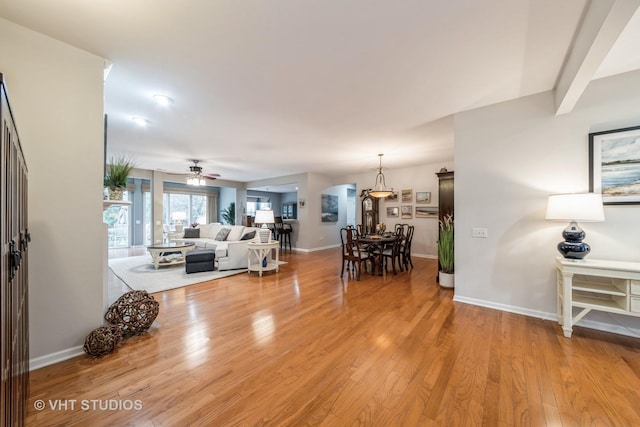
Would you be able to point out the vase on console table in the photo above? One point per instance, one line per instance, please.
(116, 193)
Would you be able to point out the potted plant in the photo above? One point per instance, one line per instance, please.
(229, 214)
(116, 176)
(445, 252)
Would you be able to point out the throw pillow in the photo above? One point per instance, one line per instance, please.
(223, 233)
(236, 233)
(250, 235)
(191, 233)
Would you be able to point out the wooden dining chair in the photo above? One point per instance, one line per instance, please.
(405, 247)
(352, 256)
(391, 254)
(364, 247)
(401, 229)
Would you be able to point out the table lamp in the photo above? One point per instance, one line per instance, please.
(264, 217)
(584, 207)
(178, 218)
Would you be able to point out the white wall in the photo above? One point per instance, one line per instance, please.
(315, 234)
(56, 93)
(509, 158)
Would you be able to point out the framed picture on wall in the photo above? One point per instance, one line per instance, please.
(426, 212)
(407, 196)
(423, 197)
(614, 165)
(329, 208)
(406, 212)
(393, 212)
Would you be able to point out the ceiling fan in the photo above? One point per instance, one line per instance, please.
(196, 177)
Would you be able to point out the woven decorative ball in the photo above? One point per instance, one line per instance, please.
(134, 312)
(102, 340)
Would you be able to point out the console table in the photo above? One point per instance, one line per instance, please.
(593, 284)
(258, 252)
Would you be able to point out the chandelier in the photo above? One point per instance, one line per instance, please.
(380, 189)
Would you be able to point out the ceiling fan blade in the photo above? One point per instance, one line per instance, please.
(211, 175)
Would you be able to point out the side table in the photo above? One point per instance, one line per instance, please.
(258, 252)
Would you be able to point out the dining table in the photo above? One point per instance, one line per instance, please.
(379, 241)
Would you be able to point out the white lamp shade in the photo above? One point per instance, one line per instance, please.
(264, 216)
(584, 207)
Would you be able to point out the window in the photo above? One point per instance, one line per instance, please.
(254, 204)
(117, 218)
(191, 207)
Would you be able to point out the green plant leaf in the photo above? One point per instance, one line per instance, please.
(229, 214)
(446, 253)
(118, 171)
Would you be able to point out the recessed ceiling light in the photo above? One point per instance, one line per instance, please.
(140, 121)
(163, 100)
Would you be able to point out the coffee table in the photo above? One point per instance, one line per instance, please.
(159, 253)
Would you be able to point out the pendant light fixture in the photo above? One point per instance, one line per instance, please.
(380, 189)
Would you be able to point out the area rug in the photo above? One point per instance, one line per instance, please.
(138, 273)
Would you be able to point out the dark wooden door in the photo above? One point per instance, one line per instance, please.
(14, 236)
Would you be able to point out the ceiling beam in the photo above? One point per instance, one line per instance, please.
(602, 24)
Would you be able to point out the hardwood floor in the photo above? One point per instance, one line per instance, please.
(304, 347)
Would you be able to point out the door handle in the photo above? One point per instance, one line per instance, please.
(24, 241)
(15, 258)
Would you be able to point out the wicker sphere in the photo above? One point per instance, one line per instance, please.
(133, 312)
(102, 340)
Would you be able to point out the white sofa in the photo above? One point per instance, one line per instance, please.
(231, 253)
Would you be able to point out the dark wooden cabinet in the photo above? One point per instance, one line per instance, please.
(445, 196)
(14, 271)
(445, 193)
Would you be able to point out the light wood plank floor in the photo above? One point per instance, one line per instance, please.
(304, 347)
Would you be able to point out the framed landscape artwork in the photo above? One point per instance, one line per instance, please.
(426, 212)
(407, 196)
(393, 212)
(614, 165)
(406, 212)
(423, 197)
(329, 208)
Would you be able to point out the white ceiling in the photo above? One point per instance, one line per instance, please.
(267, 88)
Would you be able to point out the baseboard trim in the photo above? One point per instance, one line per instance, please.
(508, 308)
(424, 256)
(592, 324)
(58, 356)
(322, 248)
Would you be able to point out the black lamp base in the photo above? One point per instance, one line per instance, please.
(573, 247)
(574, 250)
